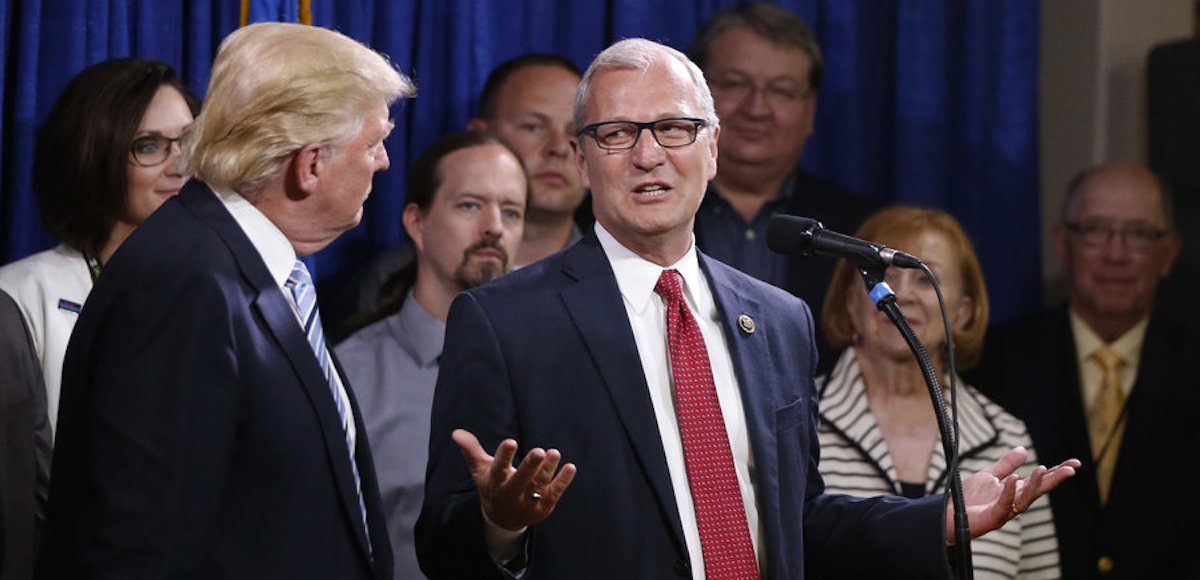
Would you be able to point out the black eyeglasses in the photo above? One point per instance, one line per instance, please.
(152, 150)
(1138, 237)
(671, 133)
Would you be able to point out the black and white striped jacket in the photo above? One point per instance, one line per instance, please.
(855, 460)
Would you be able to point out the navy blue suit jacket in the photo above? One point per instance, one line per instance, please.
(546, 356)
(197, 436)
(1148, 528)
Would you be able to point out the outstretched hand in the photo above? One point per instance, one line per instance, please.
(996, 495)
(515, 497)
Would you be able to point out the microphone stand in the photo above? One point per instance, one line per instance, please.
(883, 297)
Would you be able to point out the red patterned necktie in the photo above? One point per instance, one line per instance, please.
(720, 513)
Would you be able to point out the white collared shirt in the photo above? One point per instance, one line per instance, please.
(279, 256)
(636, 278)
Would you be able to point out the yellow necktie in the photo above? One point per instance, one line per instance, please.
(1105, 424)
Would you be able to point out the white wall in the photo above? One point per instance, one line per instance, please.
(1092, 92)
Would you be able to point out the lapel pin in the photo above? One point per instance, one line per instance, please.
(746, 324)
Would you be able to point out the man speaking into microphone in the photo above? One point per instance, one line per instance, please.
(677, 391)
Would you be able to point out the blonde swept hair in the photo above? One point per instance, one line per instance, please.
(276, 87)
(899, 227)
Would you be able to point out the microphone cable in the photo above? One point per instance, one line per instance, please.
(885, 300)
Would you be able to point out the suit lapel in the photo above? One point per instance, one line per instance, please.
(1065, 408)
(747, 350)
(280, 319)
(594, 304)
(760, 388)
(365, 461)
(1161, 351)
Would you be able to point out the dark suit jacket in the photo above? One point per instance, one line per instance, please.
(24, 445)
(197, 437)
(808, 277)
(1148, 529)
(546, 355)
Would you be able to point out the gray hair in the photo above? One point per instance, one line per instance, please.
(639, 54)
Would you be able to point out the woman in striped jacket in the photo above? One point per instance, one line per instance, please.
(877, 426)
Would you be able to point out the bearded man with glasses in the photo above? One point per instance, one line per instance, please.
(1110, 378)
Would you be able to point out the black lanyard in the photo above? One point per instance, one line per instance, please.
(94, 266)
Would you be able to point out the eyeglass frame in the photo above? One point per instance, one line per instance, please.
(1149, 236)
(153, 137)
(641, 126)
(748, 87)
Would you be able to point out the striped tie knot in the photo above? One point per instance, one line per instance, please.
(299, 275)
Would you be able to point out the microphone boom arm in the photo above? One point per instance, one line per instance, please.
(883, 297)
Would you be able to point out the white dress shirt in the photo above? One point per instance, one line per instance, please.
(279, 256)
(636, 278)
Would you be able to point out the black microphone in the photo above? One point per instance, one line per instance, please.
(789, 234)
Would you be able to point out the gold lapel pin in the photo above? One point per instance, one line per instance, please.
(746, 324)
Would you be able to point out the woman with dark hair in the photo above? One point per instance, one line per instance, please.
(106, 158)
(877, 427)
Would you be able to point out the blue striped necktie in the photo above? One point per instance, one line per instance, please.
(304, 296)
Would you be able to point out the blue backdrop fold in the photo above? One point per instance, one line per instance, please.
(924, 101)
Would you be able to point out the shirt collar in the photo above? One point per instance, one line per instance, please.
(713, 195)
(274, 248)
(637, 276)
(1128, 345)
(418, 332)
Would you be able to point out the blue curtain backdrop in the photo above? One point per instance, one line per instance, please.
(925, 101)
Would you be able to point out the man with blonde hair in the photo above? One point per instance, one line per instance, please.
(206, 430)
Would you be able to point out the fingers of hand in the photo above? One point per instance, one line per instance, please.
(549, 482)
(1059, 473)
(1007, 502)
(525, 476)
(501, 467)
(471, 450)
(557, 486)
(1008, 464)
(545, 472)
(1028, 490)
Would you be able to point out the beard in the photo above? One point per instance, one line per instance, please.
(475, 271)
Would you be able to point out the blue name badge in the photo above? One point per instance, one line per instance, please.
(64, 304)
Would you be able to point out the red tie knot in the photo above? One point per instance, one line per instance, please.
(670, 286)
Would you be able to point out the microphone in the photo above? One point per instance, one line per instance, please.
(788, 234)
